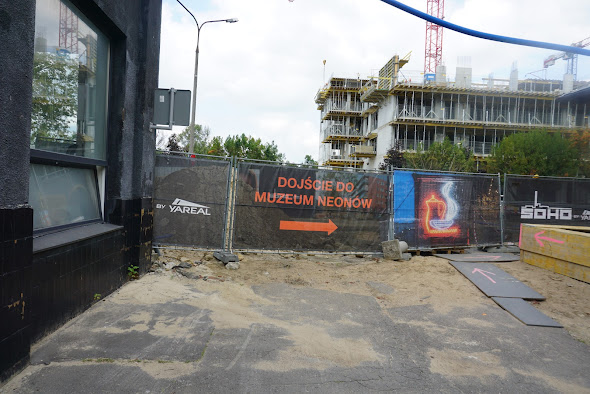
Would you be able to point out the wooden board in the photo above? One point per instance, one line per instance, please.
(557, 242)
(562, 267)
(583, 229)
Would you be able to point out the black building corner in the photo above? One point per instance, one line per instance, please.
(76, 159)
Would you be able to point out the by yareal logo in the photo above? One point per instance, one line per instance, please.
(186, 207)
(586, 215)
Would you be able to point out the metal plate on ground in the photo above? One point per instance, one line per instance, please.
(494, 282)
(481, 257)
(525, 312)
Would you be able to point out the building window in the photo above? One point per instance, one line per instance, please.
(70, 72)
(62, 195)
(68, 120)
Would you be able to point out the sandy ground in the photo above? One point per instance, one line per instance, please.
(422, 280)
(316, 322)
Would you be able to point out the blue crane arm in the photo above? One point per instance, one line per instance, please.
(487, 36)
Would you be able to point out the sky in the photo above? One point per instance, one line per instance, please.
(259, 76)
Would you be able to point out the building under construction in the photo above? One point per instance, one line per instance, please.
(362, 118)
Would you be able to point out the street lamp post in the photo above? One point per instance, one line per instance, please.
(194, 104)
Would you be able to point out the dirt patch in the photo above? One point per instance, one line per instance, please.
(454, 363)
(424, 280)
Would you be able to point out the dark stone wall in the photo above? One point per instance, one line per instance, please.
(68, 279)
(17, 21)
(16, 219)
(16, 240)
(40, 292)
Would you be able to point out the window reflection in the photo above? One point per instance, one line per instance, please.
(62, 195)
(69, 82)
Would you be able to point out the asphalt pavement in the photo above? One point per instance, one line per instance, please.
(294, 339)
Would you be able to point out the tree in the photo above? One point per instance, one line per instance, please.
(441, 156)
(309, 161)
(251, 148)
(581, 142)
(55, 96)
(534, 153)
(173, 145)
(394, 157)
(215, 147)
(200, 142)
(238, 145)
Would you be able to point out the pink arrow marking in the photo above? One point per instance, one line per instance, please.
(538, 238)
(479, 256)
(484, 273)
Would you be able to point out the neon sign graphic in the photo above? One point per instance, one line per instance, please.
(441, 213)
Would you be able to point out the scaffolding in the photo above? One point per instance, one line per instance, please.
(359, 117)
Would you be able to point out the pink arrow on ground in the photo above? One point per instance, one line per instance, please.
(538, 238)
(484, 273)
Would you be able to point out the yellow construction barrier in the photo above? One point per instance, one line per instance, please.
(561, 249)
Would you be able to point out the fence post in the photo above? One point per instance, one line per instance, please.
(232, 202)
(391, 232)
(502, 196)
(227, 206)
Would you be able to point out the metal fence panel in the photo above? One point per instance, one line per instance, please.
(190, 200)
(279, 207)
(446, 210)
(544, 200)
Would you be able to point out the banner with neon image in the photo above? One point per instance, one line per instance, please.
(442, 210)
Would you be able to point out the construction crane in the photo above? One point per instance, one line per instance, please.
(434, 38)
(68, 29)
(572, 58)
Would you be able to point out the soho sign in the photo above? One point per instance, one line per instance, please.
(538, 211)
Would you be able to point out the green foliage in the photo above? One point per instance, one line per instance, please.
(55, 96)
(132, 272)
(309, 161)
(252, 148)
(238, 145)
(215, 147)
(394, 158)
(581, 142)
(441, 156)
(97, 297)
(536, 152)
(200, 139)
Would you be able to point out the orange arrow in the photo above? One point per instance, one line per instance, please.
(329, 227)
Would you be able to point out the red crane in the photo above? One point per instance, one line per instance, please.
(68, 29)
(434, 36)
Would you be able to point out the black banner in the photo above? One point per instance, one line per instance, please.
(444, 210)
(190, 201)
(544, 200)
(280, 207)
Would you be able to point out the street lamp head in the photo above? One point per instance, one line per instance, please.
(231, 20)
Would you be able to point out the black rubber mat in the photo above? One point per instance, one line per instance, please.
(494, 282)
(525, 312)
(481, 257)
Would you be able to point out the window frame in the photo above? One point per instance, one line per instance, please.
(94, 169)
(39, 156)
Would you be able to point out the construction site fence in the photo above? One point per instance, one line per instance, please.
(191, 200)
(440, 210)
(207, 202)
(282, 207)
(544, 200)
